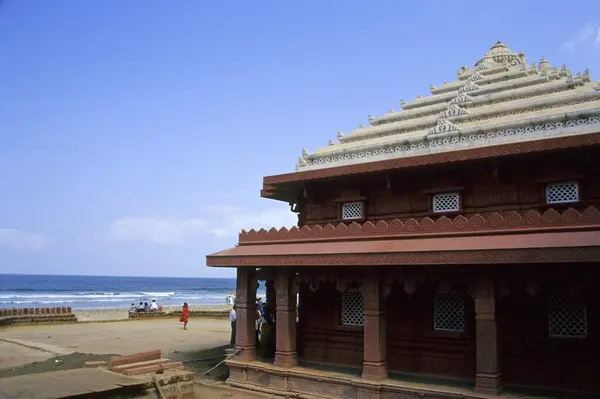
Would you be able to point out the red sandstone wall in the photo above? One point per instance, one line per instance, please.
(413, 345)
(517, 183)
(321, 337)
(529, 356)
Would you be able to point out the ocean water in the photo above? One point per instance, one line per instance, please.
(95, 292)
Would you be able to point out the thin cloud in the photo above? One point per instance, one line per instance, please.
(22, 240)
(221, 221)
(589, 34)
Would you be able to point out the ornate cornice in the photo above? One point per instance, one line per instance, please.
(459, 225)
(439, 158)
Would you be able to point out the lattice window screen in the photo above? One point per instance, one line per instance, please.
(560, 193)
(448, 202)
(353, 309)
(449, 312)
(352, 210)
(567, 317)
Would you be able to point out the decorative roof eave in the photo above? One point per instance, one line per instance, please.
(394, 140)
(436, 158)
(569, 246)
(487, 223)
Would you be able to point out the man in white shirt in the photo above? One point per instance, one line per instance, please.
(153, 306)
(232, 320)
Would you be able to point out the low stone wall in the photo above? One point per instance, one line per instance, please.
(145, 315)
(36, 315)
(203, 313)
(177, 313)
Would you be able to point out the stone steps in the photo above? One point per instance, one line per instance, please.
(142, 368)
(142, 363)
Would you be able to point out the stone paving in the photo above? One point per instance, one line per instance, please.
(26, 344)
(42, 342)
(59, 384)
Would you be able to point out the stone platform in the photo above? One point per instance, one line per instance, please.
(95, 383)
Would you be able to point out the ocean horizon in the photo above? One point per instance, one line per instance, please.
(111, 292)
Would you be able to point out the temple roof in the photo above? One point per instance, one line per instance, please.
(501, 99)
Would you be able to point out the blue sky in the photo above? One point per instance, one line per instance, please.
(134, 135)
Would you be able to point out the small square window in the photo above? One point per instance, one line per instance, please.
(562, 193)
(352, 210)
(449, 312)
(448, 202)
(353, 309)
(567, 317)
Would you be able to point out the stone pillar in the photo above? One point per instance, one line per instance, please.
(245, 305)
(375, 339)
(488, 378)
(285, 320)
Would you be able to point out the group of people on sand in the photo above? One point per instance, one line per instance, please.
(144, 307)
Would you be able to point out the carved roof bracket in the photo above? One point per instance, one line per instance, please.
(443, 126)
(452, 110)
(461, 98)
(469, 86)
(475, 77)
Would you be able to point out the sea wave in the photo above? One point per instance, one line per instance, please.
(121, 295)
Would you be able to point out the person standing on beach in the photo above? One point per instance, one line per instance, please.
(185, 313)
(232, 320)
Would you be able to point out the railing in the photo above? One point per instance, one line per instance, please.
(479, 223)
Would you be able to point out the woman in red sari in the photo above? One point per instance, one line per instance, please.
(185, 313)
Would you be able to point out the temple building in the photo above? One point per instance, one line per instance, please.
(448, 250)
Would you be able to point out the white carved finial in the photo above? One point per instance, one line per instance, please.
(331, 142)
(361, 126)
(371, 117)
(390, 110)
(304, 152)
(402, 101)
(301, 161)
(340, 134)
(586, 75)
(432, 87)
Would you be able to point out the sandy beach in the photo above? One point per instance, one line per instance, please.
(90, 315)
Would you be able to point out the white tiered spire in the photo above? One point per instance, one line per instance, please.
(500, 99)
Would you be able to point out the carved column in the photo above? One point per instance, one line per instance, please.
(488, 378)
(375, 340)
(285, 320)
(245, 305)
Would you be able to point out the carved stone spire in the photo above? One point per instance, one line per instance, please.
(331, 142)
(340, 134)
(543, 64)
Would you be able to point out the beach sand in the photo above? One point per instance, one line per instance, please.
(90, 315)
